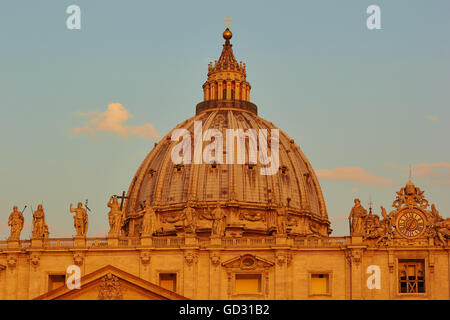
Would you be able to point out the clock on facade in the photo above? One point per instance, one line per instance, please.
(411, 223)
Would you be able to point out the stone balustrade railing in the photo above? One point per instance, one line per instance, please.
(176, 242)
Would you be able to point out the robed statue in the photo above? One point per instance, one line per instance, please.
(189, 219)
(40, 228)
(16, 222)
(115, 217)
(149, 221)
(217, 216)
(282, 214)
(357, 217)
(80, 219)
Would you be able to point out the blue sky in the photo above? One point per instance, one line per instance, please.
(350, 97)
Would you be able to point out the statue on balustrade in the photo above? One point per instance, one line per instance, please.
(441, 226)
(115, 217)
(376, 229)
(149, 221)
(282, 214)
(217, 216)
(40, 228)
(16, 222)
(80, 219)
(189, 219)
(357, 219)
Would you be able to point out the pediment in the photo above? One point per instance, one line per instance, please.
(111, 283)
(247, 262)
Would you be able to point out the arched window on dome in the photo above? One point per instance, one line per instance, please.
(224, 91)
(233, 87)
(216, 91)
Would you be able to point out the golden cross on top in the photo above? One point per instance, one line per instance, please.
(227, 20)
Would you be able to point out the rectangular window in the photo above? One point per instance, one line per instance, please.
(248, 284)
(320, 283)
(56, 281)
(168, 281)
(411, 276)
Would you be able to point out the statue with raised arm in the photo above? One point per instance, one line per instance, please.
(357, 217)
(80, 219)
(115, 217)
(16, 222)
(40, 229)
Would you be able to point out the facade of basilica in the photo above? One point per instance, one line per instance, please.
(211, 228)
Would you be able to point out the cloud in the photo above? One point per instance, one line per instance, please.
(355, 190)
(112, 120)
(354, 174)
(432, 118)
(440, 171)
(390, 165)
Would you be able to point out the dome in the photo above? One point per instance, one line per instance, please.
(249, 199)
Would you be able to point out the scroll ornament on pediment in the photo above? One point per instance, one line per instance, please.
(110, 288)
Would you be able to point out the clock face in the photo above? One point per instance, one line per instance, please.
(411, 224)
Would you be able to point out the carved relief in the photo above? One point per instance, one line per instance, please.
(247, 262)
(410, 224)
(190, 258)
(354, 256)
(34, 259)
(252, 216)
(215, 260)
(11, 261)
(145, 257)
(78, 258)
(283, 258)
(110, 288)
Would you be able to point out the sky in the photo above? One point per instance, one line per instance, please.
(82, 108)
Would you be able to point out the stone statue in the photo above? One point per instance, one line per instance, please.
(115, 216)
(189, 219)
(281, 219)
(15, 221)
(149, 221)
(40, 229)
(379, 229)
(442, 229)
(441, 226)
(357, 217)
(80, 219)
(217, 216)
